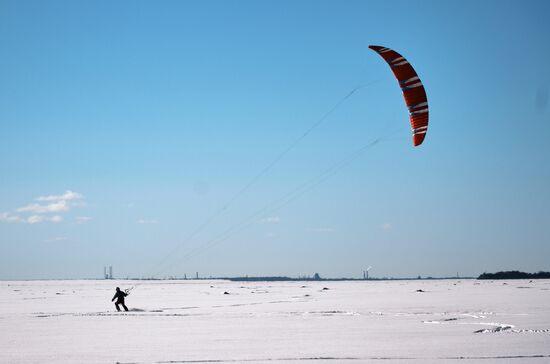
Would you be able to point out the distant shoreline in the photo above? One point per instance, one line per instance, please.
(283, 279)
(504, 275)
(252, 279)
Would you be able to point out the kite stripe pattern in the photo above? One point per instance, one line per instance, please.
(413, 91)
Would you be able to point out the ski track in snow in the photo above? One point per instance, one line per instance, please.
(321, 358)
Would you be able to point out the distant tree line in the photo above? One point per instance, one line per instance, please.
(259, 279)
(514, 274)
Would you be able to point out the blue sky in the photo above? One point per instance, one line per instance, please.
(127, 126)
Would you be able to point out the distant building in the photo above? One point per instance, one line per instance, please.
(108, 275)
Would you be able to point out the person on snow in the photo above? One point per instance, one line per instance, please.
(119, 295)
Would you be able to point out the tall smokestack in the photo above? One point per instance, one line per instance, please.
(105, 273)
(110, 272)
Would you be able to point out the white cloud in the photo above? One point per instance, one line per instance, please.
(67, 196)
(147, 221)
(57, 238)
(386, 226)
(36, 219)
(83, 219)
(270, 220)
(57, 206)
(6, 217)
(36, 213)
(321, 230)
(55, 218)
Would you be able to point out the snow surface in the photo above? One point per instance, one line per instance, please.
(448, 321)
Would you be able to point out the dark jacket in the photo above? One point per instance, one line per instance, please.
(119, 295)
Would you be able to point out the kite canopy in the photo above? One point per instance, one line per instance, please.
(413, 91)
